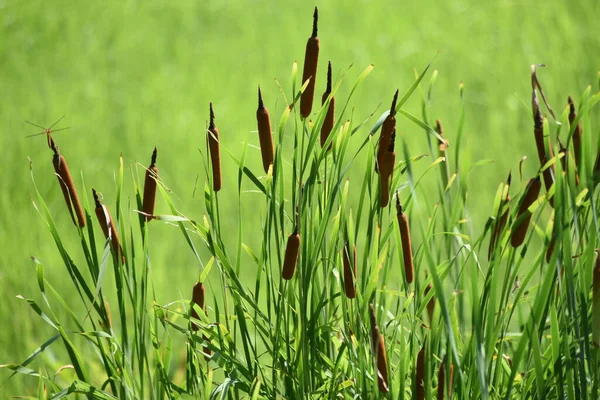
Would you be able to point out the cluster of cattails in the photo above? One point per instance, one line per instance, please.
(502, 217)
(108, 228)
(328, 122)
(150, 188)
(198, 295)
(521, 224)
(309, 73)
(349, 261)
(215, 152)
(67, 185)
(378, 344)
(265, 135)
(291, 255)
(405, 239)
(538, 131)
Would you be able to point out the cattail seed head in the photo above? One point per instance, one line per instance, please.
(387, 128)
(503, 212)
(108, 228)
(442, 380)
(430, 303)
(378, 346)
(311, 59)
(349, 271)
(386, 170)
(420, 374)
(264, 133)
(198, 299)
(328, 122)
(576, 133)
(215, 152)
(596, 303)
(291, 255)
(529, 196)
(150, 188)
(538, 132)
(405, 239)
(67, 186)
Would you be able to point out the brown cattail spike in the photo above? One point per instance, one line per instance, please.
(386, 170)
(349, 271)
(529, 196)
(108, 228)
(388, 126)
(442, 380)
(291, 255)
(197, 299)
(430, 303)
(576, 133)
(150, 188)
(328, 122)
(420, 374)
(538, 131)
(405, 238)
(264, 133)
(311, 59)
(502, 218)
(215, 151)
(596, 302)
(378, 343)
(67, 186)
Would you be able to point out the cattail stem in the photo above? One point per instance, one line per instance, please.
(215, 151)
(328, 122)
(264, 133)
(405, 238)
(311, 59)
(386, 171)
(349, 271)
(291, 255)
(108, 228)
(67, 186)
(150, 188)
(521, 224)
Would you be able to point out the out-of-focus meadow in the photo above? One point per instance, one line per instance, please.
(132, 75)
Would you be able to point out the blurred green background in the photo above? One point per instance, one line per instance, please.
(130, 75)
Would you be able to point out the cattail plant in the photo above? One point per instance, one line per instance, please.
(405, 238)
(108, 227)
(431, 303)
(442, 150)
(576, 133)
(349, 271)
(442, 380)
(386, 171)
(529, 196)
(291, 255)
(198, 296)
(264, 133)
(420, 374)
(501, 219)
(378, 344)
(596, 172)
(311, 59)
(150, 188)
(215, 151)
(596, 303)
(387, 128)
(67, 186)
(538, 131)
(328, 122)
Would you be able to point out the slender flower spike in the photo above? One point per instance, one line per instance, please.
(405, 238)
(108, 228)
(328, 122)
(311, 59)
(530, 195)
(291, 255)
(264, 133)
(198, 296)
(215, 151)
(387, 128)
(442, 380)
(502, 219)
(576, 133)
(386, 171)
(420, 374)
(378, 343)
(538, 132)
(67, 186)
(349, 271)
(596, 303)
(150, 188)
